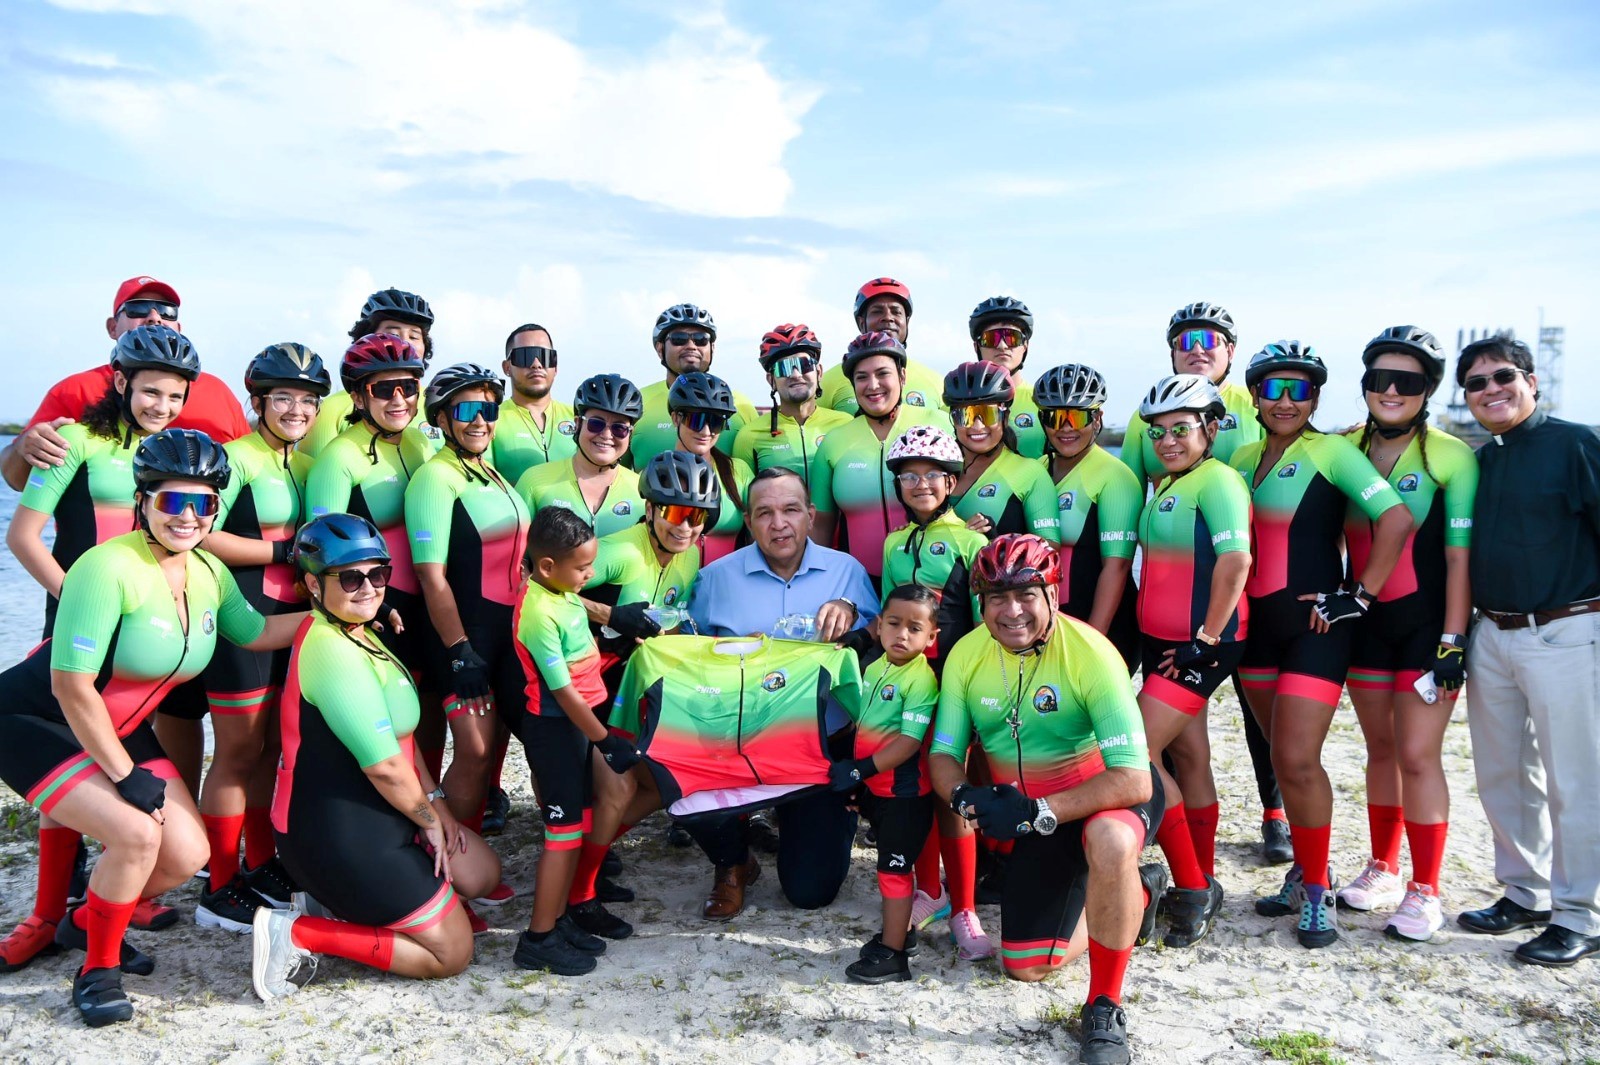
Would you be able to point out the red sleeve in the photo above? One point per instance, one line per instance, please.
(68, 397)
(214, 410)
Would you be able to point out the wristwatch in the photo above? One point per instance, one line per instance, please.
(436, 794)
(1045, 822)
(1451, 639)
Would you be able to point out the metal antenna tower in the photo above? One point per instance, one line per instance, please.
(1547, 363)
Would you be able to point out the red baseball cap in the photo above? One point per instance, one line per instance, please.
(135, 285)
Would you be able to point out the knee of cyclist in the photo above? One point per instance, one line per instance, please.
(1109, 842)
(1031, 975)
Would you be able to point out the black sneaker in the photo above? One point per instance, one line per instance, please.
(578, 937)
(272, 882)
(551, 952)
(1276, 847)
(232, 906)
(595, 919)
(1190, 913)
(991, 887)
(879, 964)
(912, 948)
(678, 836)
(608, 890)
(134, 961)
(762, 832)
(610, 865)
(1154, 878)
(78, 886)
(1105, 1034)
(100, 999)
(495, 813)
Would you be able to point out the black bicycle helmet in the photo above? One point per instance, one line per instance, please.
(997, 309)
(700, 392)
(453, 380)
(378, 353)
(1286, 355)
(874, 343)
(287, 365)
(1073, 386)
(1408, 340)
(337, 540)
(1202, 315)
(156, 347)
(181, 455)
(978, 382)
(680, 479)
(609, 392)
(683, 316)
(399, 305)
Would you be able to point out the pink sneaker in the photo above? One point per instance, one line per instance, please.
(1420, 915)
(971, 942)
(925, 909)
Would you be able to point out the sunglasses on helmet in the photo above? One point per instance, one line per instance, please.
(1002, 335)
(989, 414)
(791, 366)
(699, 421)
(470, 409)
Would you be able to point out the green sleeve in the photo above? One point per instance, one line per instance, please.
(431, 496)
(228, 495)
(614, 561)
(1354, 474)
(527, 487)
(1040, 508)
(952, 726)
(822, 474)
(625, 708)
(918, 703)
(1459, 473)
(44, 488)
(1108, 694)
(1224, 502)
(331, 481)
(541, 635)
(1121, 500)
(237, 620)
(1244, 461)
(342, 684)
(94, 599)
(1133, 441)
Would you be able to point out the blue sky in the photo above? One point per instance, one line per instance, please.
(1323, 173)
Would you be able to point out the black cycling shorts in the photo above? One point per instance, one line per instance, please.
(187, 702)
(1396, 641)
(1281, 642)
(41, 759)
(902, 824)
(1191, 689)
(563, 777)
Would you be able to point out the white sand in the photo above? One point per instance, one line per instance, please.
(769, 986)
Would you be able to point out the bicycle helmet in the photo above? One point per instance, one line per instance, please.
(880, 286)
(287, 365)
(928, 444)
(978, 382)
(398, 305)
(1286, 355)
(1072, 385)
(155, 347)
(337, 540)
(377, 353)
(1183, 392)
(1202, 315)
(788, 339)
(874, 343)
(1015, 560)
(680, 479)
(681, 316)
(454, 380)
(997, 309)
(1408, 340)
(700, 392)
(181, 455)
(609, 392)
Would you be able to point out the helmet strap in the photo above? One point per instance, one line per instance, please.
(1395, 432)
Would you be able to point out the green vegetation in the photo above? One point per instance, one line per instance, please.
(1299, 1048)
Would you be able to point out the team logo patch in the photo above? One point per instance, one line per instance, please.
(936, 548)
(887, 692)
(208, 623)
(1228, 422)
(1168, 504)
(623, 508)
(1024, 421)
(1047, 700)
(567, 428)
(671, 597)
(1289, 470)
(916, 399)
(1408, 483)
(1064, 501)
(774, 680)
(988, 491)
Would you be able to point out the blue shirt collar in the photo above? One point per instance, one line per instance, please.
(756, 562)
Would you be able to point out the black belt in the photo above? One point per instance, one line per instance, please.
(1543, 617)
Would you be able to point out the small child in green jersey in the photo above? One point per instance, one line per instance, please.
(562, 721)
(898, 698)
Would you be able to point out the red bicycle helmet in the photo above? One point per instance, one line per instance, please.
(880, 286)
(788, 339)
(1016, 560)
(377, 353)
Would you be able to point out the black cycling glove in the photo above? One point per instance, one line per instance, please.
(1194, 655)
(1343, 605)
(469, 672)
(1004, 812)
(845, 776)
(619, 753)
(1449, 667)
(631, 621)
(143, 789)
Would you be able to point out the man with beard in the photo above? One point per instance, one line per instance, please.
(535, 428)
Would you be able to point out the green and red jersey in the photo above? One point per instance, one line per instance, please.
(333, 419)
(654, 432)
(1189, 522)
(897, 701)
(556, 485)
(792, 446)
(556, 649)
(90, 494)
(521, 443)
(923, 388)
(627, 571)
(469, 520)
(1025, 421)
(361, 473)
(722, 535)
(937, 556)
(1016, 494)
(1439, 493)
(1237, 428)
(1098, 504)
(264, 500)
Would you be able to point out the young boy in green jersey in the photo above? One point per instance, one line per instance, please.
(560, 724)
(898, 697)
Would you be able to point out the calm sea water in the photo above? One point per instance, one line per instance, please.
(21, 600)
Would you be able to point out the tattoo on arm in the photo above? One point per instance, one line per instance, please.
(424, 813)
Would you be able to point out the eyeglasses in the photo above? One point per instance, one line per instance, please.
(1059, 418)
(173, 503)
(698, 421)
(792, 366)
(469, 409)
(351, 580)
(1297, 389)
(142, 309)
(522, 358)
(1002, 336)
(1404, 382)
(989, 414)
(1179, 431)
(911, 480)
(1203, 339)
(679, 513)
(1502, 377)
(699, 340)
(404, 386)
(598, 427)
(283, 402)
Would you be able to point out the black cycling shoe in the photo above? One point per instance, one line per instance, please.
(134, 961)
(1190, 912)
(1276, 847)
(1105, 1034)
(611, 864)
(496, 812)
(678, 836)
(78, 886)
(1154, 878)
(762, 832)
(608, 890)
(912, 948)
(578, 937)
(595, 919)
(100, 999)
(879, 964)
(272, 883)
(552, 953)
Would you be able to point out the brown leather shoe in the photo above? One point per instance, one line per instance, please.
(726, 900)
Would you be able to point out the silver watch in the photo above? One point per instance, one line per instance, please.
(1045, 823)
(436, 794)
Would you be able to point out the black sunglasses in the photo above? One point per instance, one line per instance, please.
(1502, 377)
(699, 340)
(522, 358)
(351, 580)
(405, 386)
(1404, 382)
(142, 309)
(598, 427)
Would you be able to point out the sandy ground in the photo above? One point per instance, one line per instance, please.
(769, 986)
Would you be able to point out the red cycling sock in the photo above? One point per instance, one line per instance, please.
(590, 855)
(1311, 851)
(1178, 846)
(58, 850)
(1203, 831)
(260, 845)
(1274, 814)
(356, 942)
(222, 832)
(1386, 824)
(960, 854)
(1107, 967)
(927, 871)
(1427, 851)
(106, 922)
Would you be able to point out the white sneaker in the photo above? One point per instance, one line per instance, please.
(278, 967)
(1377, 888)
(925, 909)
(971, 942)
(1420, 915)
